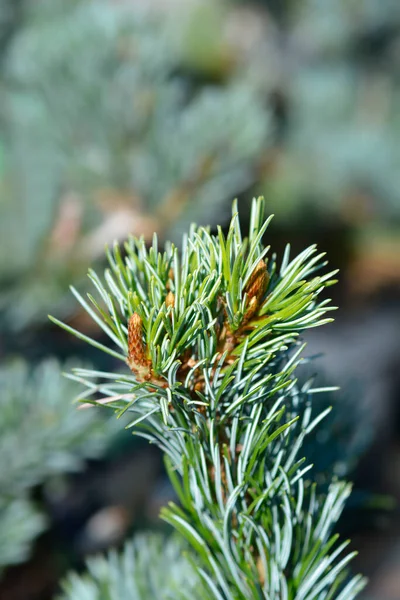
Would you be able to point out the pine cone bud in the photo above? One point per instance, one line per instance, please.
(170, 300)
(255, 289)
(258, 282)
(136, 351)
(261, 570)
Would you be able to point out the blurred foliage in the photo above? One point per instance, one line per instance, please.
(103, 135)
(41, 435)
(11, 12)
(330, 71)
(148, 567)
(329, 74)
(117, 119)
(20, 524)
(333, 66)
(36, 408)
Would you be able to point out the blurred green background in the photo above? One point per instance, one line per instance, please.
(135, 116)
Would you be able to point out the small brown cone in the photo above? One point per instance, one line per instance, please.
(136, 351)
(258, 282)
(261, 570)
(255, 289)
(170, 300)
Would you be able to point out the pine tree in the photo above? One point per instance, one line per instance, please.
(210, 339)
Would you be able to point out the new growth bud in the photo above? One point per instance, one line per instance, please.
(136, 351)
(255, 288)
(170, 300)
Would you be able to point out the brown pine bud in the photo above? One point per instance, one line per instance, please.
(198, 386)
(252, 307)
(258, 282)
(170, 278)
(261, 570)
(255, 289)
(136, 350)
(170, 300)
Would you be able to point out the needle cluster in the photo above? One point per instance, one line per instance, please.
(209, 335)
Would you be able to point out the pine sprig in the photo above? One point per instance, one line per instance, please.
(206, 302)
(210, 336)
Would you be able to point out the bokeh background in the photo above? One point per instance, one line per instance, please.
(134, 116)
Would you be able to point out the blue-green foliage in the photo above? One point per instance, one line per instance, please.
(148, 567)
(20, 523)
(42, 434)
(211, 335)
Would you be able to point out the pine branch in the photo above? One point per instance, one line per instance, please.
(211, 339)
